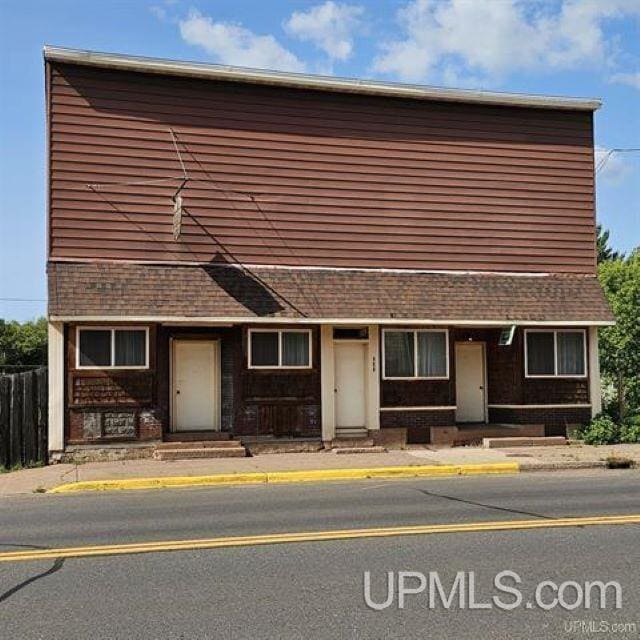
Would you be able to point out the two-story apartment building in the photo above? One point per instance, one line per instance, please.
(275, 255)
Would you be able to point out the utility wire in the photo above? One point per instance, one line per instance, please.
(603, 161)
(252, 197)
(185, 178)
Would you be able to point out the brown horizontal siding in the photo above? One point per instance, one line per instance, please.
(115, 97)
(282, 155)
(307, 178)
(413, 149)
(115, 168)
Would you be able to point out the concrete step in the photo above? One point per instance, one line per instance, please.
(204, 444)
(196, 436)
(260, 447)
(203, 452)
(341, 443)
(507, 443)
(360, 450)
(343, 434)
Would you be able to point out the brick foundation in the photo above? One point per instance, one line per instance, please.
(390, 437)
(106, 453)
(556, 420)
(417, 422)
(119, 423)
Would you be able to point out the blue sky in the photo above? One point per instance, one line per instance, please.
(562, 47)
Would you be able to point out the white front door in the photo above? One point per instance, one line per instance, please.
(470, 384)
(196, 385)
(350, 358)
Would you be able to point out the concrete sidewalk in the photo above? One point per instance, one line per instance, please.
(528, 458)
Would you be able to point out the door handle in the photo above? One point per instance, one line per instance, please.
(480, 387)
(177, 392)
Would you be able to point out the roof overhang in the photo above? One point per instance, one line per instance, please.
(315, 82)
(213, 322)
(218, 294)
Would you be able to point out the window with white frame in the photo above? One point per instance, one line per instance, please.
(557, 353)
(279, 348)
(415, 354)
(112, 348)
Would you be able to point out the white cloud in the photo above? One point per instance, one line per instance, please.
(632, 79)
(494, 38)
(231, 43)
(163, 9)
(610, 166)
(329, 26)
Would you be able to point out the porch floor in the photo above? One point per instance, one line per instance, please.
(472, 433)
(196, 436)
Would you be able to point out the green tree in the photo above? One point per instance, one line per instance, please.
(23, 343)
(620, 344)
(605, 252)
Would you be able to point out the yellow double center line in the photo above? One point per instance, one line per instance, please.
(311, 536)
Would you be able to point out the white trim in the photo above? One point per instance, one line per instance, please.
(415, 354)
(298, 267)
(555, 374)
(327, 384)
(112, 329)
(55, 360)
(455, 272)
(279, 332)
(595, 388)
(230, 320)
(373, 379)
(452, 407)
(306, 81)
(539, 406)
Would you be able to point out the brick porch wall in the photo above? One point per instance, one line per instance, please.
(555, 419)
(417, 423)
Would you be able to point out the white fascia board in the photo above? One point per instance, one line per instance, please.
(314, 82)
(581, 405)
(218, 321)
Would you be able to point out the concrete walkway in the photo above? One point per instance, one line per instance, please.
(529, 458)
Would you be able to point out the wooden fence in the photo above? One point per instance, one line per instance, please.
(23, 418)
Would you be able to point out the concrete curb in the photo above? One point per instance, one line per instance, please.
(563, 466)
(282, 477)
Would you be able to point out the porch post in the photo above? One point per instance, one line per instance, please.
(373, 378)
(56, 386)
(595, 391)
(327, 383)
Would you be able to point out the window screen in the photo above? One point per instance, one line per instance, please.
(130, 348)
(432, 354)
(540, 353)
(399, 354)
(295, 349)
(264, 348)
(94, 348)
(570, 353)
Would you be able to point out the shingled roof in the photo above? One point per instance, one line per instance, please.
(107, 290)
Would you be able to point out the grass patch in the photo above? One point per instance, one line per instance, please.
(20, 467)
(618, 462)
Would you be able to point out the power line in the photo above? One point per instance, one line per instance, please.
(603, 161)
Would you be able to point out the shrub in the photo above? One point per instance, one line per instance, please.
(601, 430)
(630, 430)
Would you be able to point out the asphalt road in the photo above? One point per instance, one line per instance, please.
(315, 590)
